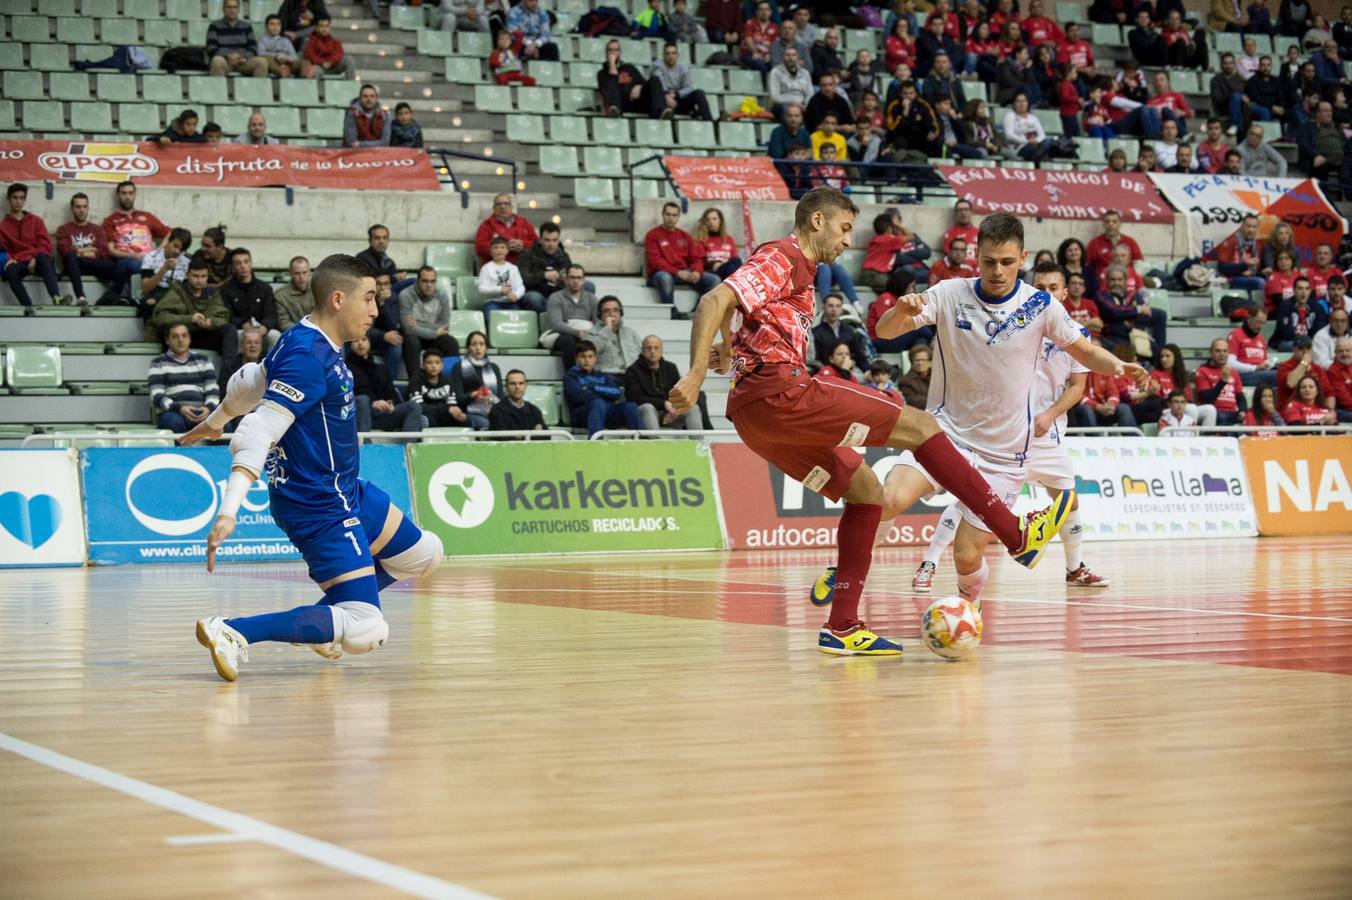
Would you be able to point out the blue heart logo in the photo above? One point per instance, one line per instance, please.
(32, 520)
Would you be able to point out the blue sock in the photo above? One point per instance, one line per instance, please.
(302, 625)
(383, 579)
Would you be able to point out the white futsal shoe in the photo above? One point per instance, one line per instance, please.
(228, 647)
(328, 651)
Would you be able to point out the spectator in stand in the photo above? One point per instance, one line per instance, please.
(1258, 158)
(1301, 316)
(1175, 420)
(685, 27)
(1294, 17)
(1260, 18)
(679, 93)
(808, 32)
(837, 364)
(714, 245)
(300, 19)
(893, 247)
(1167, 147)
(1119, 307)
(943, 81)
(983, 53)
(295, 300)
(24, 237)
(212, 132)
(758, 35)
(790, 134)
(477, 381)
(1146, 403)
(250, 351)
(648, 383)
(1038, 29)
(323, 54)
(1248, 351)
(671, 261)
(1320, 143)
(1171, 375)
(192, 303)
(471, 15)
(1227, 15)
(84, 251)
(1146, 43)
(830, 175)
(430, 388)
(1240, 256)
(829, 101)
(1280, 238)
(256, 132)
(1211, 152)
(962, 228)
(1328, 65)
(1181, 47)
(1322, 270)
(183, 389)
(504, 63)
(914, 385)
(832, 330)
(542, 267)
(1083, 310)
(1281, 283)
(182, 130)
(1100, 250)
(530, 24)
(1300, 364)
(652, 22)
(1310, 405)
(499, 281)
(515, 413)
(250, 301)
(162, 267)
(1227, 91)
(796, 172)
(624, 89)
(216, 257)
(425, 317)
(932, 42)
(1145, 160)
(1078, 54)
(862, 77)
(1340, 379)
(788, 40)
(131, 233)
(503, 222)
(1024, 136)
(277, 49)
(1101, 405)
(405, 132)
(790, 86)
(1326, 339)
(1247, 62)
(386, 338)
(1015, 76)
(366, 124)
(826, 53)
(953, 264)
(724, 20)
(231, 45)
(899, 284)
(1337, 296)
(617, 345)
(1170, 103)
(912, 123)
(378, 404)
(594, 398)
(1268, 96)
(1264, 411)
(828, 135)
(377, 257)
(1233, 164)
(570, 313)
(1072, 257)
(975, 128)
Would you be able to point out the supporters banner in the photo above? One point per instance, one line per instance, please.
(1301, 484)
(40, 522)
(1058, 194)
(1217, 204)
(718, 178)
(219, 165)
(566, 496)
(157, 506)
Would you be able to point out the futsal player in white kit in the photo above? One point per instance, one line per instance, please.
(1060, 385)
(988, 346)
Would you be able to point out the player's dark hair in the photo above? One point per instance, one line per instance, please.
(899, 282)
(399, 107)
(210, 128)
(609, 298)
(79, 196)
(581, 348)
(216, 233)
(825, 200)
(422, 269)
(1176, 393)
(881, 223)
(370, 232)
(182, 236)
(122, 184)
(669, 205)
(240, 251)
(168, 329)
(268, 20)
(1047, 267)
(338, 272)
(879, 367)
(575, 266)
(550, 228)
(429, 352)
(198, 264)
(1299, 279)
(1000, 228)
(498, 239)
(511, 372)
(17, 187)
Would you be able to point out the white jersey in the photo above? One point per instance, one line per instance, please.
(1056, 368)
(987, 355)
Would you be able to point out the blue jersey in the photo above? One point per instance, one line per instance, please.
(312, 472)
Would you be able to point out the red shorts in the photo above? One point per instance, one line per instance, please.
(806, 426)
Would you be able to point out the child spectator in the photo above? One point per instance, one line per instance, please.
(505, 63)
(685, 28)
(324, 53)
(830, 175)
(827, 134)
(405, 132)
(714, 245)
(798, 178)
(594, 398)
(871, 107)
(652, 23)
(880, 377)
(1264, 410)
(182, 130)
(277, 49)
(500, 281)
(892, 247)
(212, 132)
(429, 387)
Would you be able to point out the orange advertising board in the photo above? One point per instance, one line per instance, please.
(1300, 485)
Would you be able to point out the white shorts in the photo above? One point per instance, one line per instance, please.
(1049, 465)
(1005, 479)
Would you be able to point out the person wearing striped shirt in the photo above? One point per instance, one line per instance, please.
(232, 47)
(183, 386)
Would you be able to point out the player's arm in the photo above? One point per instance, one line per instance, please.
(1068, 399)
(255, 436)
(902, 318)
(243, 393)
(712, 316)
(1096, 359)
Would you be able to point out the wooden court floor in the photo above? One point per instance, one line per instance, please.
(662, 726)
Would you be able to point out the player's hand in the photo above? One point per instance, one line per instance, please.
(1136, 373)
(202, 431)
(1043, 423)
(685, 394)
(720, 357)
(911, 304)
(221, 530)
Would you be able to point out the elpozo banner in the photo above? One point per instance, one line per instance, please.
(219, 165)
(1217, 204)
(1058, 194)
(40, 522)
(1301, 484)
(157, 505)
(562, 497)
(717, 177)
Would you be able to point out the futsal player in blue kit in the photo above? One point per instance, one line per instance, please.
(300, 427)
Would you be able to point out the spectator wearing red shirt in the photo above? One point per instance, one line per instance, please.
(1003, 15)
(323, 54)
(1170, 103)
(1219, 385)
(716, 249)
(952, 264)
(1301, 316)
(1211, 152)
(1340, 379)
(952, 25)
(900, 283)
(1084, 311)
(506, 224)
(1248, 351)
(963, 228)
(671, 261)
(1180, 47)
(758, 37)
(1300, 364)
(1102, 404)
(1322, 270)
(84, 251)
(24, 237)
(1264, 411)
(1240, 256)
(1038, 29)
(1281, 284)
(1077, 53)
(1171, 375)
(131, 233)
(1310, 406)
(893, 247)
(900, 46)
(837, 365)
(1100, 249)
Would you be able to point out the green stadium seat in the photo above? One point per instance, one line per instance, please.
(535, 100)
(745, 82)
(162, 89)
(197, 32)
(546, 397)
(283, 121)
(856, 39)
(11, 57)
(1280, 45)
(75, 31)
(184, 10)
(559, 160)
(1050, 119)
(433, 42)
(1185, 82)
(139, 120)
(1226, 42)
(738, 136)
(650, 169)
(253, 91)
(513, 329)
(653, 132)
(1129, 146)
(112, 88)
(23, 85)
(56, 7)
(1106, 35)
(464, 321)
(1070, 12)
(568, 130)
(648, 189)
(473, 43)
(43, 115)
(7, 115)
(576, 99)
(324, 123)
(103, 9)
(493, 98)
(453, 259)
(338, 92)
(693, 133)
(91, 118)
(299, 92)
(30, 368)
(611, 132)
(464, 70)
(120, 32)
(208, 89)
(233, 120)
(524, 129)
(30, 29)
(150, 9)
(604, 161)
(582, 74)
(1091, 150)
(546, 74)
(595, 193)
(707, 79)
(593, 50)
(50, 57)
(467, 294)
(407, 18)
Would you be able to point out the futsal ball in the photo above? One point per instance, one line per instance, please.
(951, 627)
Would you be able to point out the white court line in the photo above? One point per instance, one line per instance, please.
(325, 854)
(220, 837)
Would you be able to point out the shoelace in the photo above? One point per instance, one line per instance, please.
(241, 647)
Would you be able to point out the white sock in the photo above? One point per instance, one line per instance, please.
(971, 586)
(1070, 536)
(944, 533)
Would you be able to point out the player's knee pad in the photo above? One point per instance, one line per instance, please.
(417, 561)
(358, 627)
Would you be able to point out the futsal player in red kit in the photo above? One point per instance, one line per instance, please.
(807, 427)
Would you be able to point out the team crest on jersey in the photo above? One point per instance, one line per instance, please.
(287, 391)
(1019, 319)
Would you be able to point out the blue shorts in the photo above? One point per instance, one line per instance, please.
(336, 546)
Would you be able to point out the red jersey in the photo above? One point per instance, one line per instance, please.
(670, 251)
(1174, 35)
(942, 271)
(72, 238)
(1319, 279)
(1082, 312)
(883, 249)
(758, 38)
(1286, 393)
(1250, 349)
(716, 251)
(134, 232)
(1096, 114)
(1078, 55)
(1171, 100)
(519, 228)
(968, 233)
(1209, 376)
(1232, 250)
(1068, 99)
(983, 48)
(899, 51)
(1298, 413)
(1340, 384)
(1039, 30)
(1100, 251)
(1212, 159)
(1280, 286)
(775, 303)
(880, 305)
(1100, 388)
(999, 19)
(1165, 379)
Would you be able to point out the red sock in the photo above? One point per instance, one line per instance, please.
(942, 460)
(854, 538)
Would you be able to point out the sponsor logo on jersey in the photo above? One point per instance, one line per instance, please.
(286, 390)
(1019, 319)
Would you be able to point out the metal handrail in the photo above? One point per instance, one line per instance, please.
(550, 434)
(924, 175)
(446, 155)
(1128, 430)
(660, 158)
(674, 434)
(119, 436)
(1279, 429)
